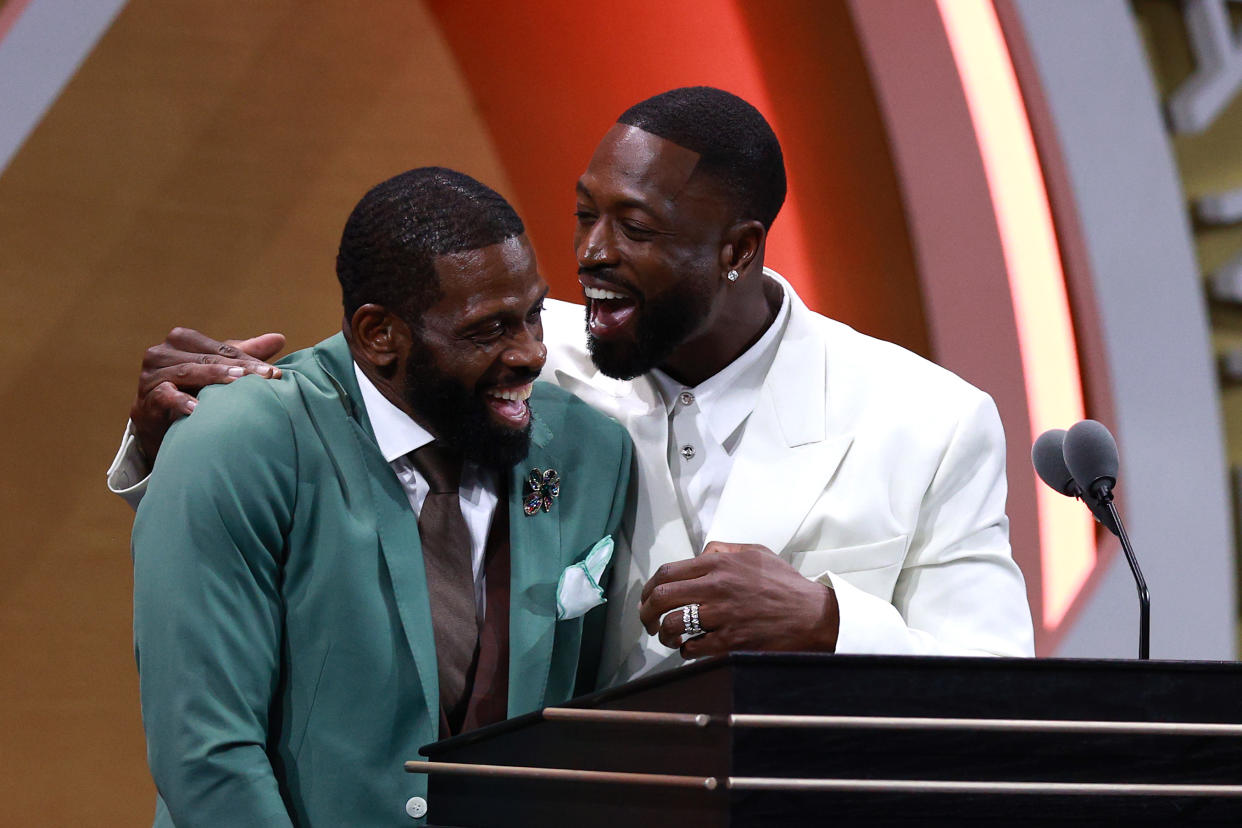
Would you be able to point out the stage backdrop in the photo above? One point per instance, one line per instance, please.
(988, 184)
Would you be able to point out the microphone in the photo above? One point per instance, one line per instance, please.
(1048, 457)
(1091, 456)
(1049, 463)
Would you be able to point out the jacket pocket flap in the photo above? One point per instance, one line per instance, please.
(878, 555)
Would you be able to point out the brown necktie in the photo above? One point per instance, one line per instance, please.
(450, 576)
(489, 695)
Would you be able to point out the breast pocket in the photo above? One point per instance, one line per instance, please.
(872, 567)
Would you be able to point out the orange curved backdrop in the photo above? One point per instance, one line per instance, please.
(197, 170)
(549, 78)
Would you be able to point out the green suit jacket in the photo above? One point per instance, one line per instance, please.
(281, 618)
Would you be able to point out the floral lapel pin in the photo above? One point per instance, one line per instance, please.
(541, 488)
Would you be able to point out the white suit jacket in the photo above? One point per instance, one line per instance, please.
(863, 465)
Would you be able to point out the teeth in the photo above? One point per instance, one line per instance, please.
(600, 293)
(520, 393)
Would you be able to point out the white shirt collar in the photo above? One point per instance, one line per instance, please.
(729, 397)
(395, 432)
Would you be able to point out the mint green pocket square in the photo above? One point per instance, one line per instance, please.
(579, 589)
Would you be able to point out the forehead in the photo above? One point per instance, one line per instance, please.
(631, 163)
(488, 279)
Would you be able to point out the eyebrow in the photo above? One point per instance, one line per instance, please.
(629, 202)
(502, 313)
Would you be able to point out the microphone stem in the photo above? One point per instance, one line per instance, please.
(1144, 598)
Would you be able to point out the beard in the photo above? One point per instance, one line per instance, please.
(459, 417)
(661, 325)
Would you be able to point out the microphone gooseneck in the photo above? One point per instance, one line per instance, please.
(1089, 456)
(1139, 581)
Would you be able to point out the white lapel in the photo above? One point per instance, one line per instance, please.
(787, 454)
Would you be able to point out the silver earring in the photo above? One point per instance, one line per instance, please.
(731, 276)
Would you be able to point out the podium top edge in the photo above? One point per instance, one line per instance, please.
(744, 661)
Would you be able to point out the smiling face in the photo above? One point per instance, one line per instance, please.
(477, 350)
(650, 242)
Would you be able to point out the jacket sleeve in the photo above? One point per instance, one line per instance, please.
(959, 591)
(208, 544)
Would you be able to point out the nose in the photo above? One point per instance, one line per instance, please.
(595, 244)
(527, 352)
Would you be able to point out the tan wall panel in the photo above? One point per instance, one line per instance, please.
(1209, 163)
(198, 169)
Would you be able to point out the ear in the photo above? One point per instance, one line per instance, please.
(378, 336)
(742, 246)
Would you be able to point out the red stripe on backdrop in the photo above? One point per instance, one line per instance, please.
(550, 77)
(9, 14)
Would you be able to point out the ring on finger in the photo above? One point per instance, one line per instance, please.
(690, 622)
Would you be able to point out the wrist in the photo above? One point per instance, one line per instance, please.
(828, 620)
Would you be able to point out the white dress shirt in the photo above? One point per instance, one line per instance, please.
(397, 436)
(706, 423)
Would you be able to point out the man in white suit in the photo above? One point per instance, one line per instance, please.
(800, 486)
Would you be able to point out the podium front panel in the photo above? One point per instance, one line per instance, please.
(867, 686)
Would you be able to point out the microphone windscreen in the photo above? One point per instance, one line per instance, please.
(1091, 454)
(1049, 461)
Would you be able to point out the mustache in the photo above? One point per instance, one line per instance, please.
(518, 376)
(608, 275)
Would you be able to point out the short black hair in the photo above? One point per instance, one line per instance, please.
(398, 229)
(736, 146)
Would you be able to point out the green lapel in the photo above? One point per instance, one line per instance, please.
(534, 541)
(394, 523)
(536, 564)
(403, 555)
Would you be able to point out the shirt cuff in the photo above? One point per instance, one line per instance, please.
(127, 476)
(866, 624)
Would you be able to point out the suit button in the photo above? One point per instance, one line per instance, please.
(416, 807)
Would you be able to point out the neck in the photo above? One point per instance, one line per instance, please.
(738, 325)
(384, 378)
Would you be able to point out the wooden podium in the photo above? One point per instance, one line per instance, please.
(786, 740)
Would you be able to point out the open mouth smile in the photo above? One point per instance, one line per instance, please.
(509, 405)
(610, 310)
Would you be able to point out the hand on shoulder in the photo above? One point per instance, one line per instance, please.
(183, 364)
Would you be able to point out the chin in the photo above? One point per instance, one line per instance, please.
(617, 359)
(496, 445)
(651, 336)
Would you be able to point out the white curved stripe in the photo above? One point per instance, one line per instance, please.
(1036, 281)
(39, 53)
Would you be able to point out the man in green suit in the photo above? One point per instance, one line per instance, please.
(312, 601)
